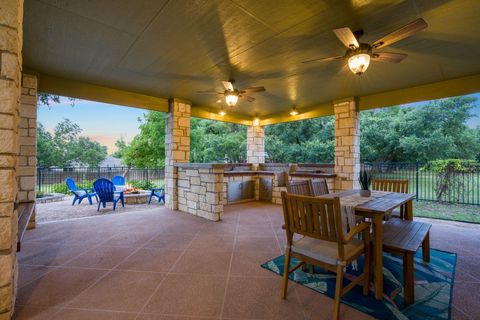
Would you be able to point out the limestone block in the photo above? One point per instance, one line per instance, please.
(198, 190)
(6, 233)
(9, 66)
(8, 183)
(27, 183)
(7, 161)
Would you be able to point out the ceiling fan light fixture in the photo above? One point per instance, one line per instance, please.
(359, 63)
(294, 111)
(231, 99)
(222, 112)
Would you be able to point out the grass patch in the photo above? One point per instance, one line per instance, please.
(446, 211)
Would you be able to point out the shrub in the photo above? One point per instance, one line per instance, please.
(449, 182)
(40, 194)
(62, 187)
(141, 184)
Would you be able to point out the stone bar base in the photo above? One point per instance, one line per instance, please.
(200, 189)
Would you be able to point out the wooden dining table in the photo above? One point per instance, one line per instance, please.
(375, 208)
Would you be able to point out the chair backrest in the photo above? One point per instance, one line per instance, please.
(118, 181)
(313, 217)
(319, 187)
(104, 189)
(300, 187)
(71, 184)
(390, 185)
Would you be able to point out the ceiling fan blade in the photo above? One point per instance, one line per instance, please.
(323, 59)
(248, 98)
(228, 85)
(347, 37)
(209, 92)
(402, 33)
(389, 57)
(253, 89)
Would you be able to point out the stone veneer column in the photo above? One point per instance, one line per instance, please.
(255, 145)
(11, 15)
(347, 144)
(27, 160)
(177, 146)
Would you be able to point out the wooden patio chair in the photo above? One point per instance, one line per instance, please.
(319, 187)
(323, 243)
(391, 185)
(300, 187)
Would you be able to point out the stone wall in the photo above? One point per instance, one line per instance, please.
(201, 190)
(347, 144)
(27, 159)
(255, 145)
(11, 15)
(177, 147)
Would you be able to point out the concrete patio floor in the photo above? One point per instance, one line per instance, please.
(156, 264)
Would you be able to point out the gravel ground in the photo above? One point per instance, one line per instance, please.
(63, 210)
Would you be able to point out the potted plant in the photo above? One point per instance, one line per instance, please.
(365, 179)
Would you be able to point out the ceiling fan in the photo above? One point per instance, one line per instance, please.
(359, 54)
(232, 95)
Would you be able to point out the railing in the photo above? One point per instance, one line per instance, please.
(426, 184)
(50, 180)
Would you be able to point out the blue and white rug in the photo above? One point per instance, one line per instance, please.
(433, 286)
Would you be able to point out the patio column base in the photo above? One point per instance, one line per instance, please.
(27, 158)
(347, 144)
(10, 81)
(177, 146)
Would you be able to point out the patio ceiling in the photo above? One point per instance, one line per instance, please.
(161, 49)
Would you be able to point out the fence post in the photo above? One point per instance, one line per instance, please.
(416, 179)
(98, 172)
(147, 176)
(39, 179)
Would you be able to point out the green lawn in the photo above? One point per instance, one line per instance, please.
(457, 212)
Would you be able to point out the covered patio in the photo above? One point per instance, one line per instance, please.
(181, 267)
(200, 256)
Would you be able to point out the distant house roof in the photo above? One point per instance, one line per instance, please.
(110, 162)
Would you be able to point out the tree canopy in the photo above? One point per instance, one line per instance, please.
(434, 131)
(65, 147)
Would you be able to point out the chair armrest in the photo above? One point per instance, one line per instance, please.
(157, 189)
(355, 230)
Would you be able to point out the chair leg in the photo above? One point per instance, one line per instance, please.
(114, 205)
(90, 200)
(98, 207)
(366, 270)
(122, 199)
(426, 248)
(150, 200)
(286, 271)
(74, 199)
(338, 293)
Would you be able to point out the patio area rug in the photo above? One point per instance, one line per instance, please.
(433, 286)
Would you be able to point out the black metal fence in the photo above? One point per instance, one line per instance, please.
(51, 180)
(458, 187)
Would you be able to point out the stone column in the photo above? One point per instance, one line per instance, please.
(27, 159)
(177, 146)
(347, 144)
(255, 145)
(11, 15)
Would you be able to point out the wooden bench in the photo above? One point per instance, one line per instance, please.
(405, 237)
(25, 211)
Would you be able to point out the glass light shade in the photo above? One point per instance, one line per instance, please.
(231, 99)
(358, 63)
(294, 112)
(256, 122)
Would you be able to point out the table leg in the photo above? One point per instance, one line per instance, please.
(408, 278)
(378, 255)
(409, 210)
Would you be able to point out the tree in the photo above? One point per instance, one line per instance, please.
(121, 146)
(147, 149)
(65, 147)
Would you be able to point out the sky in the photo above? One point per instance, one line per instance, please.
(106, 123)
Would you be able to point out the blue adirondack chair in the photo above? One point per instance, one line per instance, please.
(158, 193)
(106, 192)
(119, 183)
(80, 194)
